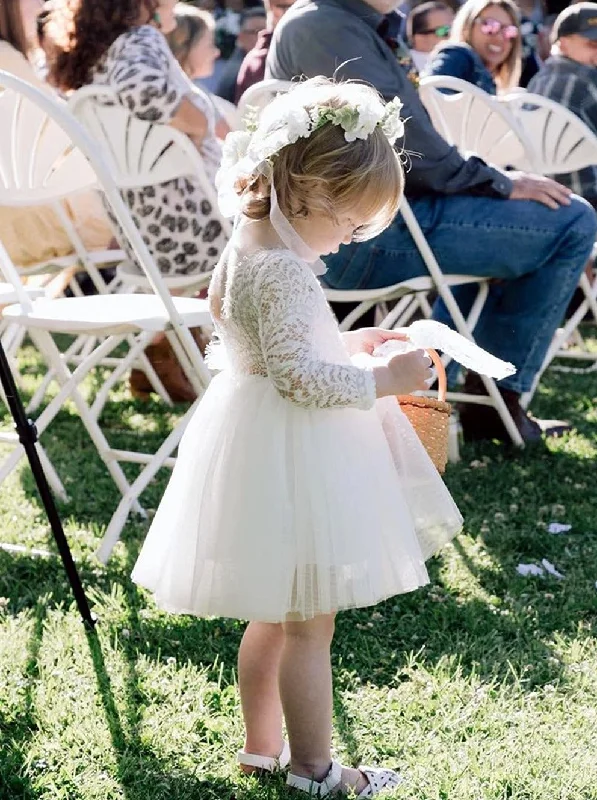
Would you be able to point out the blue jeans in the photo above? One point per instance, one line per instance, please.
(539, 255)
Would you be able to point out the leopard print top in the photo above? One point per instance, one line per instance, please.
(178, 224)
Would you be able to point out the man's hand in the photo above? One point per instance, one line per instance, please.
(538, 188)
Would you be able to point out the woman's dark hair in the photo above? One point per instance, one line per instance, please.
(417, 19)
(12, 29)
(82, 32)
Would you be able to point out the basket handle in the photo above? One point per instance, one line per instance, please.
(441, 374)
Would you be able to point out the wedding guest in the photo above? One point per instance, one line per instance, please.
(525, 230)
(252, 69)
(484, 46)
(121, 45)
(570, 78)
(427, 25)
(193, 44)
(253, 20)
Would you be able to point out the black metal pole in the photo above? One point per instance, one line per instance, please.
(28, 437)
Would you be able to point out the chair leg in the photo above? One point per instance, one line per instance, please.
(69, 382)
(119, 517)
(136, 348)
(562, 337)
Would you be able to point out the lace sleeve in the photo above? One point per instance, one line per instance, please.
(140, 73)
(287, 304)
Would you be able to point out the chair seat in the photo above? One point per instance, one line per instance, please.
(129, 273)
(107, 314)
(8, 294)
(424, 283)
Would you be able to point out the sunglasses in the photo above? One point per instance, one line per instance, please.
(491, 27)
(442, 32)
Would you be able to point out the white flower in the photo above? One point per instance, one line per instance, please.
(298, 123)
(391, 124)
(370, 115)
(235, 148)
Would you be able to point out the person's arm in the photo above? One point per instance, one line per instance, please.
(310, 44)
(452, 60)
(142, 77)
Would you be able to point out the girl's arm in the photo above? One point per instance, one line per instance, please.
(142, 77)
(287, 305)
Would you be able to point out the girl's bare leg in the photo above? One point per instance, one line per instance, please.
(258, 667)
(306, 692)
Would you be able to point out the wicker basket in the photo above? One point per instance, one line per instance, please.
(431, 418)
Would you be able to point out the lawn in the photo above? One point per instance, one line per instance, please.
(481, 686)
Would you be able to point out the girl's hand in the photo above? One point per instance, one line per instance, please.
(404, 373)
(365, 340)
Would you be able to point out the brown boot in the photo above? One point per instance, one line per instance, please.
(163, 359)
(483, 422)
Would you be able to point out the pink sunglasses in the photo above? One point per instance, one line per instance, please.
(491, 27)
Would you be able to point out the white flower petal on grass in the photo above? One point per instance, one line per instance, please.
(549, 567)
(558, 527)
(529, 569)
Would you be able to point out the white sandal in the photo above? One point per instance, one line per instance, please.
(379, 780)
(265, 762)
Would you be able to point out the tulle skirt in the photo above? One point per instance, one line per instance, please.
(276, 512)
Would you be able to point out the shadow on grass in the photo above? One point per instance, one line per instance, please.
(141, 774)
(18, 728)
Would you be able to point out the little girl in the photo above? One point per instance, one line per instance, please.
(289, 500)
(193, 45)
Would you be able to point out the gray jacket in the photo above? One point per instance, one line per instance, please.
(339, 37)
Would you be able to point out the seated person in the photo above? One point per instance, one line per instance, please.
(427, 25)
(193, 44)
(525, 230)
(34, 234)
(484, 46)
(252, 69)
(253, 21)
(569, 77)
(106, 45)
(533, 37)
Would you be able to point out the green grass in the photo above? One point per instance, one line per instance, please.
(481, 686)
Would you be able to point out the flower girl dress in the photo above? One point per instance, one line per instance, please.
(295, 492)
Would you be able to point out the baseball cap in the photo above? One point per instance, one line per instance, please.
(580, 18)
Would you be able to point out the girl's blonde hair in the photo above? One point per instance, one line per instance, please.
(325, 174)
(191, 26)
(508, 73)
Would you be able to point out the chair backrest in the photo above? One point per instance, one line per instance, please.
(38, 163)
(562, 141)
(474, 121)
(140, 153)
(260, 94)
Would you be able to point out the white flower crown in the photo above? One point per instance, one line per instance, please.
(296, 115)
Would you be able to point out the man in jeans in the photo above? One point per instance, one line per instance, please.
(523, 229)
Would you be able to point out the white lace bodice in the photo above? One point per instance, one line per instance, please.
(272, 317)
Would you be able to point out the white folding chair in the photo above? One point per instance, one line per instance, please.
(473, 121)
(42, 171)
(417, 288)
(562, 143)
(259, 95)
